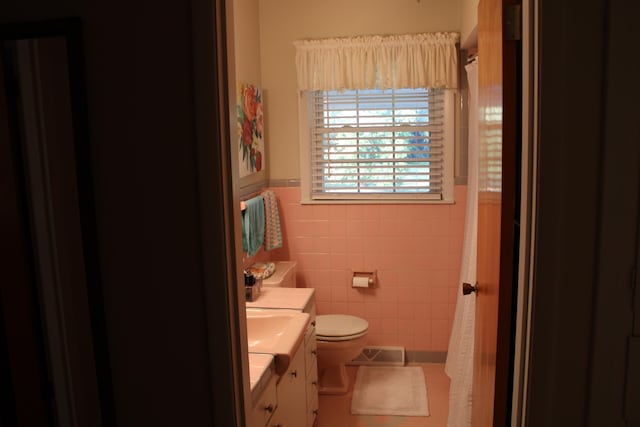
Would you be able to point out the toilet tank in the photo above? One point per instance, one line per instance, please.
(284, 275)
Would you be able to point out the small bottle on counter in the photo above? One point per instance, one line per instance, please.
(251, 291)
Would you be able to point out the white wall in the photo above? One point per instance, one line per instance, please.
(283, 21)
(246, 38)
(246, 51)
(468, 22)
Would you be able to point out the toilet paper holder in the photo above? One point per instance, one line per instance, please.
(371, 277)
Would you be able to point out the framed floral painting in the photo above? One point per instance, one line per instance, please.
(250, 129)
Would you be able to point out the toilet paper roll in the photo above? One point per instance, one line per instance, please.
(360, 282)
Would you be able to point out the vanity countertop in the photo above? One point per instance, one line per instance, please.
(261, 368)
(289, 298)
(261, 365)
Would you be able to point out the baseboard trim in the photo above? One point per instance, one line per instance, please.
(418, 356)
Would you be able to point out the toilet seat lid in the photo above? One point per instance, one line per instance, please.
(340, 325)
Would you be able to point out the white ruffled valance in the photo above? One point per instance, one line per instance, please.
(427, 60)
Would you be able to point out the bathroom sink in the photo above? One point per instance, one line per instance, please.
(275, 331)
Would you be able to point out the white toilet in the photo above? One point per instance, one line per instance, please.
(340, 338)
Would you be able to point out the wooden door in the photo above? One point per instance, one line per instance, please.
(24, 399)
(47, 290)
(498, 182)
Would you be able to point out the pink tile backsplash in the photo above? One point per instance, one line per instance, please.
(415, 249)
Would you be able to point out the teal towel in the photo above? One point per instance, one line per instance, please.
(253, 225)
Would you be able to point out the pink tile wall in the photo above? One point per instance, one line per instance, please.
(416, 250)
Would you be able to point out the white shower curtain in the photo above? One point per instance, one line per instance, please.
(459, 365)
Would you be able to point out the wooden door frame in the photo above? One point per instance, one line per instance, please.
(569, 135)
(510, 231)
(59, 211)
(219, 206)
(23, 368)
(528, 190)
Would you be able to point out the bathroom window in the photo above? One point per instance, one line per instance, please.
(377, 145)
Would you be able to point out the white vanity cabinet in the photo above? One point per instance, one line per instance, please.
(265, 405)
(311, 366)
(297, 389)
(291, 394)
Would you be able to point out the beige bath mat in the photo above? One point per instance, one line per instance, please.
(382, 390)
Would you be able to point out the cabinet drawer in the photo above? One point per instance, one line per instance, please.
(312, 387)
(312, 410)
(291, 390)
(311, 350)
(311, 329)
(265, 406)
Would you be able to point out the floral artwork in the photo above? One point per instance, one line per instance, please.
(250, 129)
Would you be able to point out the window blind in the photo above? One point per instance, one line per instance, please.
(370, 143)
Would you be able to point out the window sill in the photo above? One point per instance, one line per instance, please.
(376, 202)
